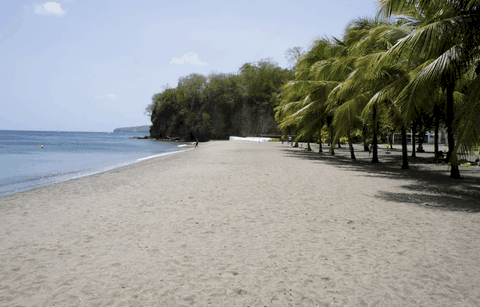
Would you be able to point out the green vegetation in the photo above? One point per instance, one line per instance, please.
(414, 67)
(220, 105)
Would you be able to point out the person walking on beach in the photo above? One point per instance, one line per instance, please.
(196, 143)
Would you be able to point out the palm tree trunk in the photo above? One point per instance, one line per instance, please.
(414, 131)
(350, 145)
(365, 146)
(308, 146)
(364, 136)
(404, 149)
(421, 139)
(320, 141)
(454, 171)
(437, 125)
(332, 147)
(374, 138)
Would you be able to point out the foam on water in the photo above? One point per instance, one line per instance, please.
(251, 139)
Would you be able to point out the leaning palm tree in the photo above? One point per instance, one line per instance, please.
(334, 70)
(365, 90)
(468, 120)
(303, 100)
(448, 42)
(306, 113)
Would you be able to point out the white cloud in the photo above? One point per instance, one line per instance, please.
(108, 96)
(50, 8)
(190, 57)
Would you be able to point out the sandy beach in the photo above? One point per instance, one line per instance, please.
(245, 224)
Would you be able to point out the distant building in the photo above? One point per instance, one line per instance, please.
(429, 137)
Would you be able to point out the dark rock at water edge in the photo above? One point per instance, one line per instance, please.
(141, 137)
(170, 139)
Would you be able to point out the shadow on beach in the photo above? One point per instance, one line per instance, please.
(428, 182)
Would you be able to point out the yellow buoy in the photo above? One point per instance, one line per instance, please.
(41, 146)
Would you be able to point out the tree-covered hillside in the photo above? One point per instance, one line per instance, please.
(219, 105)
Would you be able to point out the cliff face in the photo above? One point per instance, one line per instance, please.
(145, 128)
(255, 119)
(215, 121)
(220, 105)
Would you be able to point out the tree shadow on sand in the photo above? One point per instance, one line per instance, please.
(428, 185)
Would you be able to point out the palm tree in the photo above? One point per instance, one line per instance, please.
(302, 106)
(446, 41)
(469, 123)
(364, 93)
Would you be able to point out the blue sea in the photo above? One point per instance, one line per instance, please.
(25, 165)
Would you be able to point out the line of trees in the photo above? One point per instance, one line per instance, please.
(414, 67)
(219, 105)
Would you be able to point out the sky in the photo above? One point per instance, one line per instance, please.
(94, 65)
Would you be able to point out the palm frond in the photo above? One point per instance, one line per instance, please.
(431, 40)
(468, 121)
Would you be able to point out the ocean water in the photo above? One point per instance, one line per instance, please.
(67, 155)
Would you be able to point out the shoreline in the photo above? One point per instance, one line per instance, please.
(240, 223)
(86, 172)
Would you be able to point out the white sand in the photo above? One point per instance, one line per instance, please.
(238, 224)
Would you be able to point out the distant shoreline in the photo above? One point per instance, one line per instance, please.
(33, 159)
(144, 128)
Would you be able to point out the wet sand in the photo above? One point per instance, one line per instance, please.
(245, 224)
